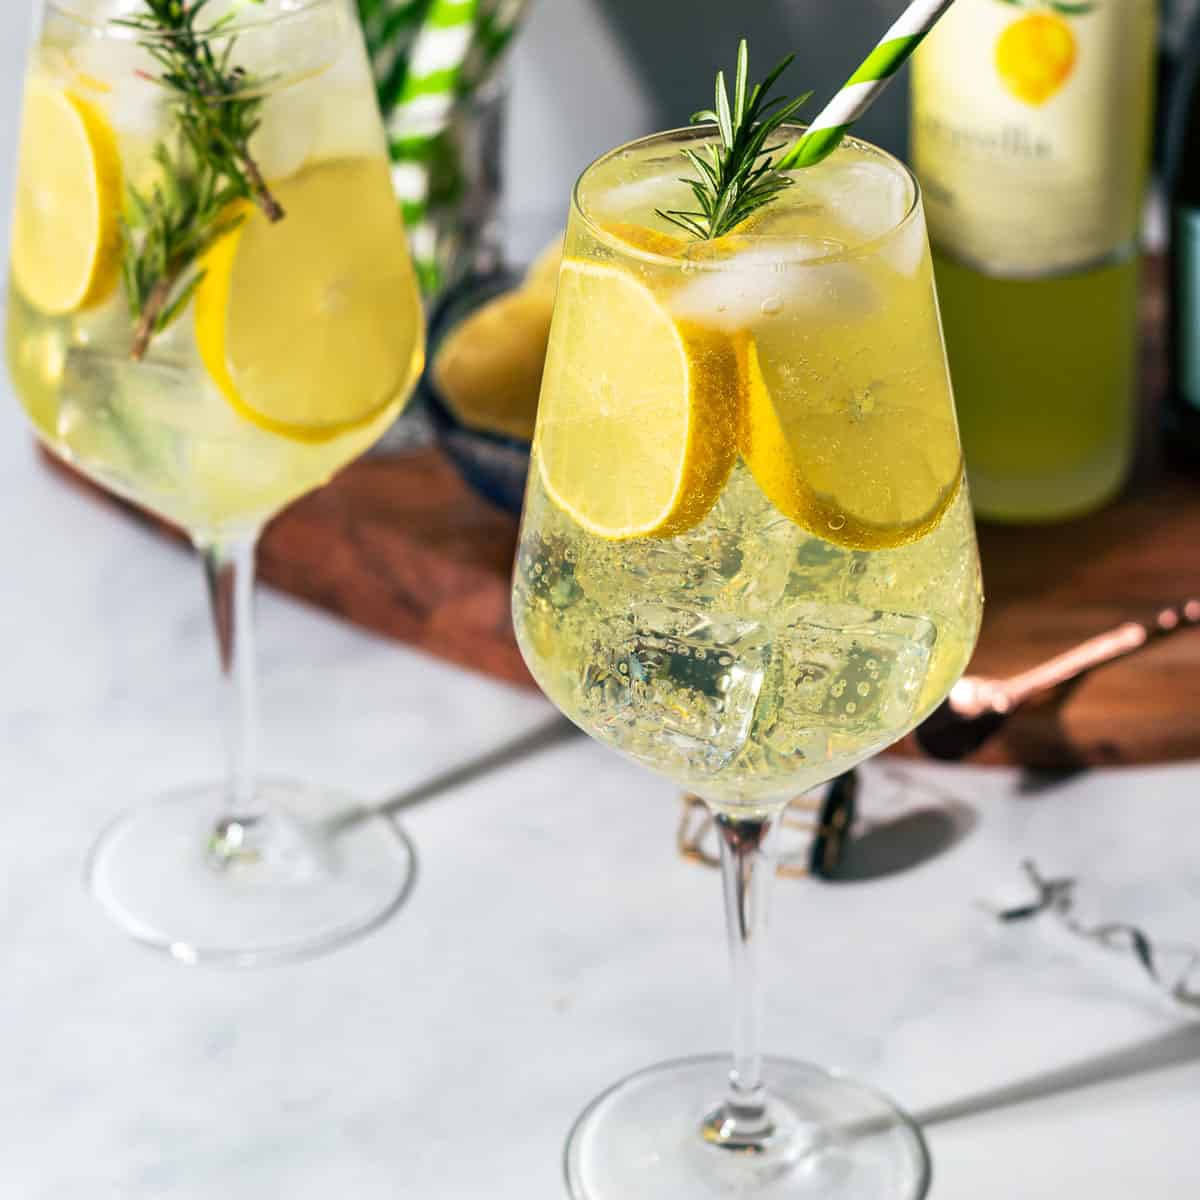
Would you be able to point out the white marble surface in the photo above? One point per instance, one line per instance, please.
(554, 940)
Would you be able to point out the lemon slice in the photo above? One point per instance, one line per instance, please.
(66, 239)
(489, 370)
(311, 326)
(637, 431)
(642, 237)
(670, 245)
(862, 471)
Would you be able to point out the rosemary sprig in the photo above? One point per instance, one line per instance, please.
(166, 232)
(737, 175)
(204, 172)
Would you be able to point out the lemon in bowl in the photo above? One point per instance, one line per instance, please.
(487, 350)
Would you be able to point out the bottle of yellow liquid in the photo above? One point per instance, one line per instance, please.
(1031, 138)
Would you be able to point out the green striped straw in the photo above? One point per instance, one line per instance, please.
(418, 117)
(863, 88)
(435, 63)
(391, 27)
(454, 52)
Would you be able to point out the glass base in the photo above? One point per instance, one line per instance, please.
(831, 1138)
(316, 870)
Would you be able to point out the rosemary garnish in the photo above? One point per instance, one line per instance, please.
(737, 175)
(206, 171)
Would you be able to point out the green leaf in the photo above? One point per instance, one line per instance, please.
(180, 302)
(739, 87)
(215, 112)
(736, 175)
(707, 170)
(724, 121)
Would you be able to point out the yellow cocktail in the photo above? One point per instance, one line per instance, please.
(212, 309)
(748, 555)
(747, 561)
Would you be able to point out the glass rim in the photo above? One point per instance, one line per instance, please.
(111, 27)
(862, 249)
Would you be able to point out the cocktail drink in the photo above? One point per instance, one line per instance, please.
(748, 562)
(211, 310)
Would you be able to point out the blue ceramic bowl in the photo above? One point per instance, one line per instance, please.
(492, 465)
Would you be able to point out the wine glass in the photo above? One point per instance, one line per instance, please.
(211, 310)
(748, 562)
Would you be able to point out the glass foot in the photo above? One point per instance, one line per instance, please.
(316, 870)
(651, 1136)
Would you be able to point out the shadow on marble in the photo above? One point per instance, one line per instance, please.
(543, 737)
(1037, 783)
(904, 842)
(907, 821)
(1155, 1054)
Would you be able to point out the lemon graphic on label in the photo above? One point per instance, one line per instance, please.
(1035, 56)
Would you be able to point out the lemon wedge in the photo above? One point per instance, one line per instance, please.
(66, 238)
(311, 326)
(651, 241)
(489, 370)
(861, 471)
(637, 431)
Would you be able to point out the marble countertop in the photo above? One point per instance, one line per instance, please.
(554, 941)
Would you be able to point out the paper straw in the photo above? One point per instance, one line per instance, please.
(427, 57)
(431, 82)
(863, 88)
(391, 27)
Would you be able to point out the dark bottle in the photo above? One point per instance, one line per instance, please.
(1181, 416)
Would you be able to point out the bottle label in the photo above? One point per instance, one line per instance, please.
(1031, 131)
(1185, 251)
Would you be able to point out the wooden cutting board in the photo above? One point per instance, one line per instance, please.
(401, 546)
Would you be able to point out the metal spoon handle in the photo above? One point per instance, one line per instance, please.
(1102, 648)
(975, 695)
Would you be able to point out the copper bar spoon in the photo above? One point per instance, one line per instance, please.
(978, 704)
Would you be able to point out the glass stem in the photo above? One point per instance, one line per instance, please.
(749, 857)
(229, 571)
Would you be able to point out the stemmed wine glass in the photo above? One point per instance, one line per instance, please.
(748, 562)
(211, 310)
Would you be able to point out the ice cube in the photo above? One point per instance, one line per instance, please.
(636, 200)
(295, 46)
(771, 281)
(848, 673)
(111, 419)
(906, 249)
(815, 569)
(675, 687)
(284, 138)
(546, 572)
(103, 10)
(868, 198)
(110, 72)
(737, 557)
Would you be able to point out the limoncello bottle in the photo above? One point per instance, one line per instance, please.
(1031, 138)
(1182, 409)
